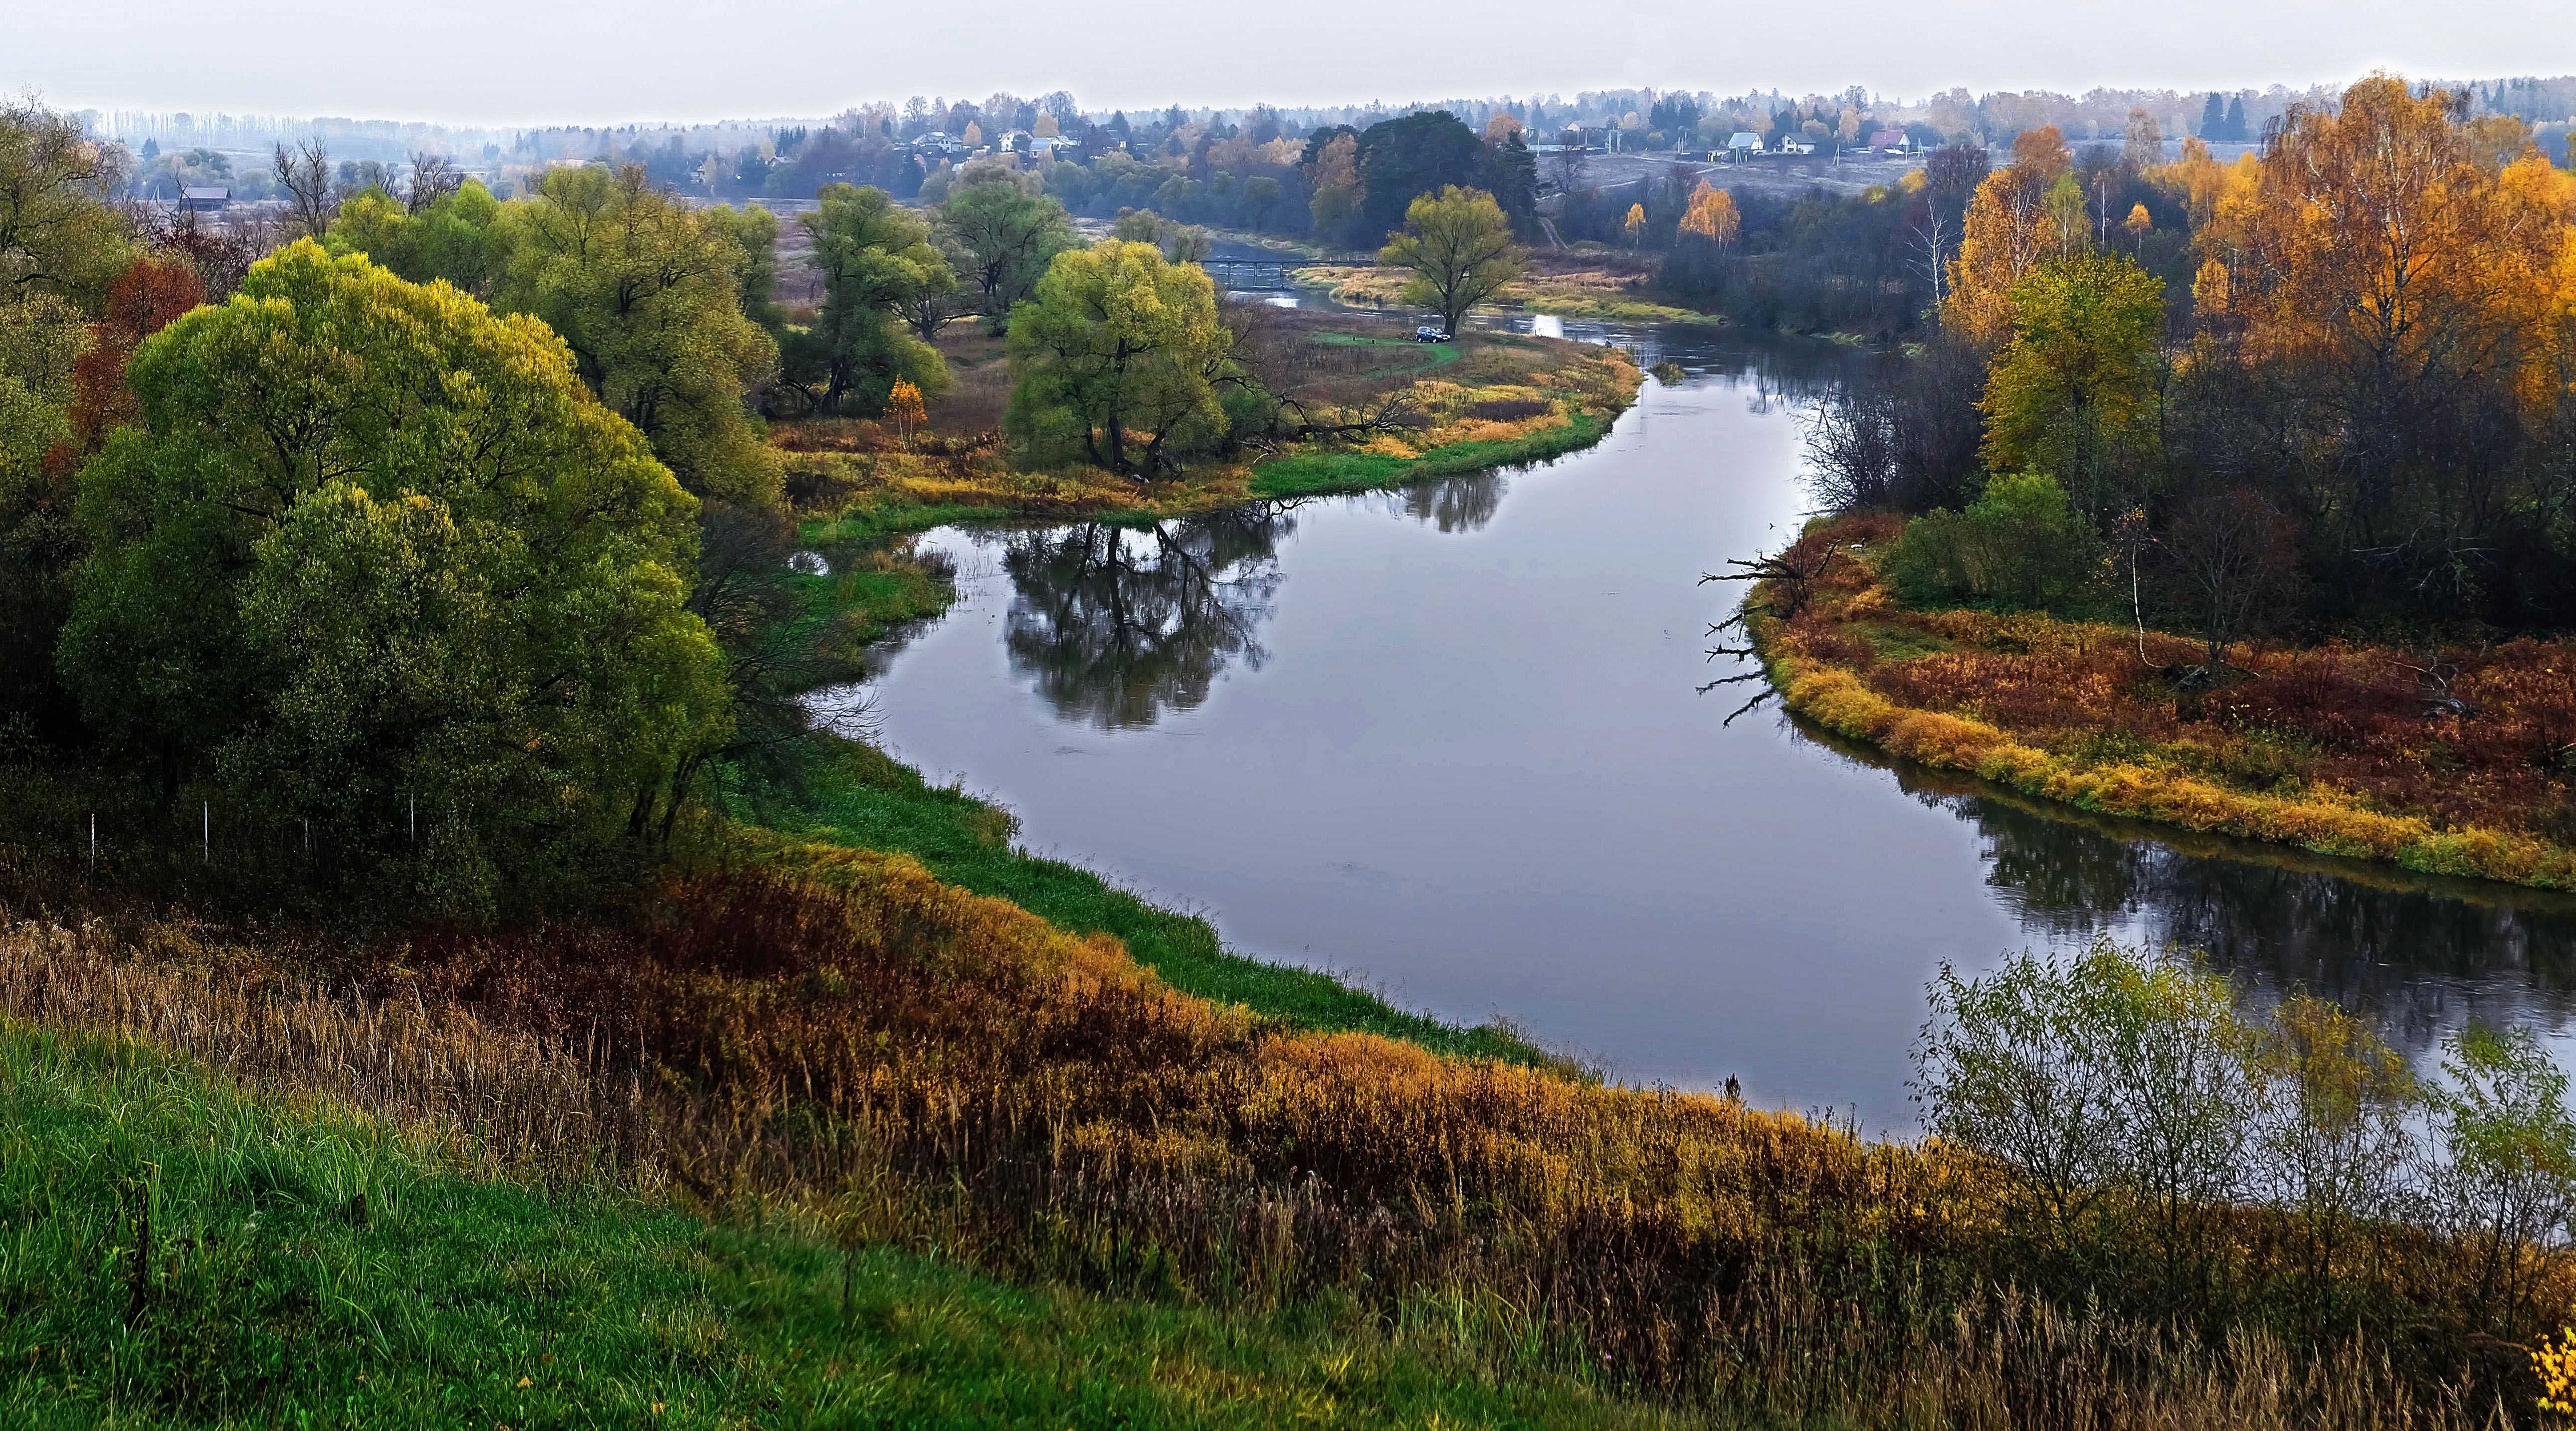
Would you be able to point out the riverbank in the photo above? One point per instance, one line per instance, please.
(2340, 750)
(1485, 401)
(1574, 292)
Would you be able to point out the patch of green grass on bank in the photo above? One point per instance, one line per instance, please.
(874, 802)
(877, 521)
(1420, 357)
(269, 1298)
(1574, 303)
(1319, 473)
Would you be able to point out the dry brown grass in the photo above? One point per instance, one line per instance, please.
(927, 1066)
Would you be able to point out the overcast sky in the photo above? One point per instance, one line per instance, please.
(581, 61)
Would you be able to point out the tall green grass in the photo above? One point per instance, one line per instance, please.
(176, 1251)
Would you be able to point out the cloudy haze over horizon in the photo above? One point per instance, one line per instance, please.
(555, 61)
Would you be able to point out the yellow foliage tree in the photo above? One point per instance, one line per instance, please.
(903, 407)
(2393, 241)
(974, 134)
(1458, 243)
(1636, 224)
(2019, 217)
(1045, 128)
(1713, 216)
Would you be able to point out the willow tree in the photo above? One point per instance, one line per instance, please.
(1458, 243)
(368, 550)
(880, 267)
(646, 293)
(1118, 344)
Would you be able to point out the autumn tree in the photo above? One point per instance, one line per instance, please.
(1115, 345)
(2232, 554)
(2392, 274)
(2018, 217)
(369, 544)
(880, 269)
(1459, 248)
(903, 406)
(1333, 184)
(66, 257)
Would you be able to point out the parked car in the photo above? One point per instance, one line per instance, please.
(1428, 334)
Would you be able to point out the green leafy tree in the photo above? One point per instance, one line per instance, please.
(880, 270)
(1459, 246)
(58, 232)
(1009, 234)
(646, 293)
(1118, 343)
(2019, 545)
(370, 548)
(41, 337)
(2509, 1177)
(1399, 160)
(2076, 389)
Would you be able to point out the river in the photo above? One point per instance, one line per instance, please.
(1450, 742)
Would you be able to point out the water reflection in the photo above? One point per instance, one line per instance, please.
(2420, 953)
(1119, 625)
(1457, 504)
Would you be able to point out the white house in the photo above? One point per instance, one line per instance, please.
(1744, 143)
(1795, 144)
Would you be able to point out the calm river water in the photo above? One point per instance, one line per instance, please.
(1448, 741)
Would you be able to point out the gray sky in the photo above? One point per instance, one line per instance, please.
(582, 61)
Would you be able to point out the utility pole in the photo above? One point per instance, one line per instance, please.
(206, 833)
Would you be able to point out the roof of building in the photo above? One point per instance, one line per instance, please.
(211, 193)
(1887, 139)
(1745, 139)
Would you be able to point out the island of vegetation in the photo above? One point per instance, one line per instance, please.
(449, 974)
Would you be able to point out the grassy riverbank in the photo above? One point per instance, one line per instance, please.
(863, 799)
(2334, 749)
(1568, 292)
(1488, 400)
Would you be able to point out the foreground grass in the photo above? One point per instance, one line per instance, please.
(306, 1265)
(870, 801)
(2332, 750)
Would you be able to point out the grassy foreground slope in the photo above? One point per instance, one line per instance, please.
(309, 1265)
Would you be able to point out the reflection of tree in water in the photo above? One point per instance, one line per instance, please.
(1457, 504)
(1118, 625)
(2420, 954)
